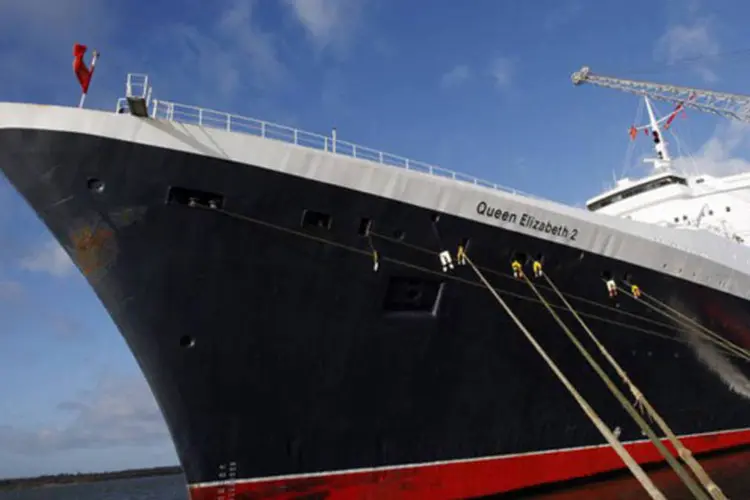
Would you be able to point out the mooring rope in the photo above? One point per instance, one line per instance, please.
(684, 453)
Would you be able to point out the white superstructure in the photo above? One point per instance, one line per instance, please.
(668, 197)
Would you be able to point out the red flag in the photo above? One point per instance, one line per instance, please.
(79, 67)
(673, 115)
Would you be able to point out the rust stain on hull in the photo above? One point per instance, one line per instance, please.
(94, 248)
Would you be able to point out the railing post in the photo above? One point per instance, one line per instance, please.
(229, 123)
(380, 156)
(354, 150)
(325, 143)
(406, 164)
(155, 108)
(296, 136)
(200, 117)
(263, 129)
(333, 139)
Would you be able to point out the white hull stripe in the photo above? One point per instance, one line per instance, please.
(212, 484)
(697, 256)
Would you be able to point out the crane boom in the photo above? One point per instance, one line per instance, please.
(732, 106)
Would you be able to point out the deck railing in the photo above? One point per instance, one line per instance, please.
(193, 115)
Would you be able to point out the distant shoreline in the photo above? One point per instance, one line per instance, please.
(84, 477)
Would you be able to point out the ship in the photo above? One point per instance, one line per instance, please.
(317, 319)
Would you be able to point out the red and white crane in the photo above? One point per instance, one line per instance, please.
(730, 106)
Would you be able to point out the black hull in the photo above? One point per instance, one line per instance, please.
(273, 353)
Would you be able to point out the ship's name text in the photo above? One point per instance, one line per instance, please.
(527, 220)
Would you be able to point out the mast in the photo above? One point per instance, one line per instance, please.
(662, 162)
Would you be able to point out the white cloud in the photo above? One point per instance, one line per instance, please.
(328, 23)
(456, 76)
(691, 44)
(502, 70)
(237, 25)
(232, 53)
(118, 412)
(49, 258)
(722, 154)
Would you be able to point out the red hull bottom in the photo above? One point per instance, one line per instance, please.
(460, 479)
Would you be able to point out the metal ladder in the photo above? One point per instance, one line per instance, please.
(137, 96)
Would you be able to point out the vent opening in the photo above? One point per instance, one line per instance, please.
(413, 295)
(311, 218)
(193, 197)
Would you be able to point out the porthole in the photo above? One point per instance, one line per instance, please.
(95, 185)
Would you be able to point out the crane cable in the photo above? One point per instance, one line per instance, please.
(684, 453)
(636, 469)
(679, 317)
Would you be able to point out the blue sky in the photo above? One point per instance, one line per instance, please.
(481, 87)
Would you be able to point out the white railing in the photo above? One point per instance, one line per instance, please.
(192, 115)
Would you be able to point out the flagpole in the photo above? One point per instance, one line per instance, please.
(95, 56)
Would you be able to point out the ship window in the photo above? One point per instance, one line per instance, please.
(699, 181)
(365, 225)
(194, 197)
(635, 190)
(728, 209)
(311, 218)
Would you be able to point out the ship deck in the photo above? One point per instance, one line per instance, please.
(138, 88)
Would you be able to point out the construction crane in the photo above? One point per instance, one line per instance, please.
(732, 106)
